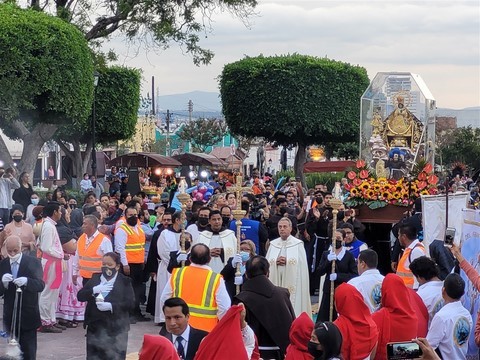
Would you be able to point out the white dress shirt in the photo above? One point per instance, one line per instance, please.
(185, 335)
(221, 296)
(369, 284)
(18, 263)
(431, 294)
(450, 330)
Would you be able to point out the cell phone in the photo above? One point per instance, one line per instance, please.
(449, 236)
(403, 350)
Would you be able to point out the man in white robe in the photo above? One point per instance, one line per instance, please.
(289, 268)
(168, 241)
(222, 242)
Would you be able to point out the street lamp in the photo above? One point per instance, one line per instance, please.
(96, 76)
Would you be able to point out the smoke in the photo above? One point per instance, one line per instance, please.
(13, 351)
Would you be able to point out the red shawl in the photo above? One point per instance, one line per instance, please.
(396, 320)
(359, 332)
(300, 333)
(422, 313)
(157, 347)
(225, 340)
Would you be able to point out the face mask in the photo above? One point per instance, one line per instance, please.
(283, 211)
(338, 244)
(188, 215)
(108, 273)
(146, 220)
(312, 349)
(226, 220)
(15, 257)
(18, 218)
(132, 221)
(319, 200)
(203, 221)
(35, 201)
(245, 256)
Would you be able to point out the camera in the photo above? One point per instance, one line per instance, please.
(255, 207)
(403, 350)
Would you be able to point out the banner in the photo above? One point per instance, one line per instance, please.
(471, 253)
(434, 213)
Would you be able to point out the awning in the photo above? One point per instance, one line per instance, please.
(143, 159)
(200, 159)
(327, 166)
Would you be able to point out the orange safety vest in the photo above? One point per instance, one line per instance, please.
(135, 246)
(89, 262)
(403, 271)
(198, 288)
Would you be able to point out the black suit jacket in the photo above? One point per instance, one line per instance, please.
(31, 268)
(194, 340)
(121, 297)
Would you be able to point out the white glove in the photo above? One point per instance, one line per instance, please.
(331, 256)
(238, 280)
(333, 277)
(102, 287)
(20, 281)
(104, 306)
(6, 278)
(182, 257)
(237, 259)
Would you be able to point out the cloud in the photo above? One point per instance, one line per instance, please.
(439, 40)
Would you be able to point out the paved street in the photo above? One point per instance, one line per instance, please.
(70, 345)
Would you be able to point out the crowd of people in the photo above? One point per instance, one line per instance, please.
(114, 261)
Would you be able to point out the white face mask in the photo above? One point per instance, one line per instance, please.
(15, 257)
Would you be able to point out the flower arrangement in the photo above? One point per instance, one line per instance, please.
(363, 188)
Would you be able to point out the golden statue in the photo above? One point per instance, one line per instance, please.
(402, 128)
(377, 124)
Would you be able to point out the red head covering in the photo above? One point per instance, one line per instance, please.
(422, 313)
(225, 340)
(300, 333)
(355, 322)
(157, 347)
(396, 320)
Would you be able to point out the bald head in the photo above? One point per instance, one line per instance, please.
(13, 245)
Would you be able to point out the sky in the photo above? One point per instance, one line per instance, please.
(439, 40)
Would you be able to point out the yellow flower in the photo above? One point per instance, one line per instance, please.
(365, 185)
(376, 187)
(354, 192)
(370, 194)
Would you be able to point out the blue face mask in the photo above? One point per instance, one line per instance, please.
(34, 201)
(245, 256)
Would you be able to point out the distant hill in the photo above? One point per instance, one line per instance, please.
(465, 117)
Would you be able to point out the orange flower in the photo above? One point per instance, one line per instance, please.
(433, 179)
(422, 176)
(351, 175)
(363, 174)
(357, 182)
(422, 185)
(360, 164)
(428, 168)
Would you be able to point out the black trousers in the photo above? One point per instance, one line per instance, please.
(103, 343)
(28, 344)
(136, 274)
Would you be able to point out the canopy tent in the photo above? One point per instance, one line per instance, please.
(200, 159)
(327, 166)
(143, 159)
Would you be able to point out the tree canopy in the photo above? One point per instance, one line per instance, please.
(293, 100)
(461, 145)
(46, 72)
(203, 133)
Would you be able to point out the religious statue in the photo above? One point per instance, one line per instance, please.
(396, 164)
(380, 169)
(377, 124)
(261, 158)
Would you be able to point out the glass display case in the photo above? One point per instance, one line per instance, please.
(397, 122)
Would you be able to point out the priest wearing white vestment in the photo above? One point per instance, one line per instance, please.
(221, 242)
(289, 268)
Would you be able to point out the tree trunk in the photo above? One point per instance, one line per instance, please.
(32, 144)
(80, 160)
(5, 154)
(300, 158)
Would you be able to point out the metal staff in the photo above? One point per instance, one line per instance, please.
(183, 197)
(238, 215)
(336, 203)
(13, 344)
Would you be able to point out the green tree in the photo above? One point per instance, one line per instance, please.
(117, 98)
(461, 145)
(293, 100)
(46, 79)
(203, 133)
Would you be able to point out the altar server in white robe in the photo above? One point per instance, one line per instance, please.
(221, 242)
(289, 268)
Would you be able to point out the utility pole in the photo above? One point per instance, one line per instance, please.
(167, 152)
(190, 109)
